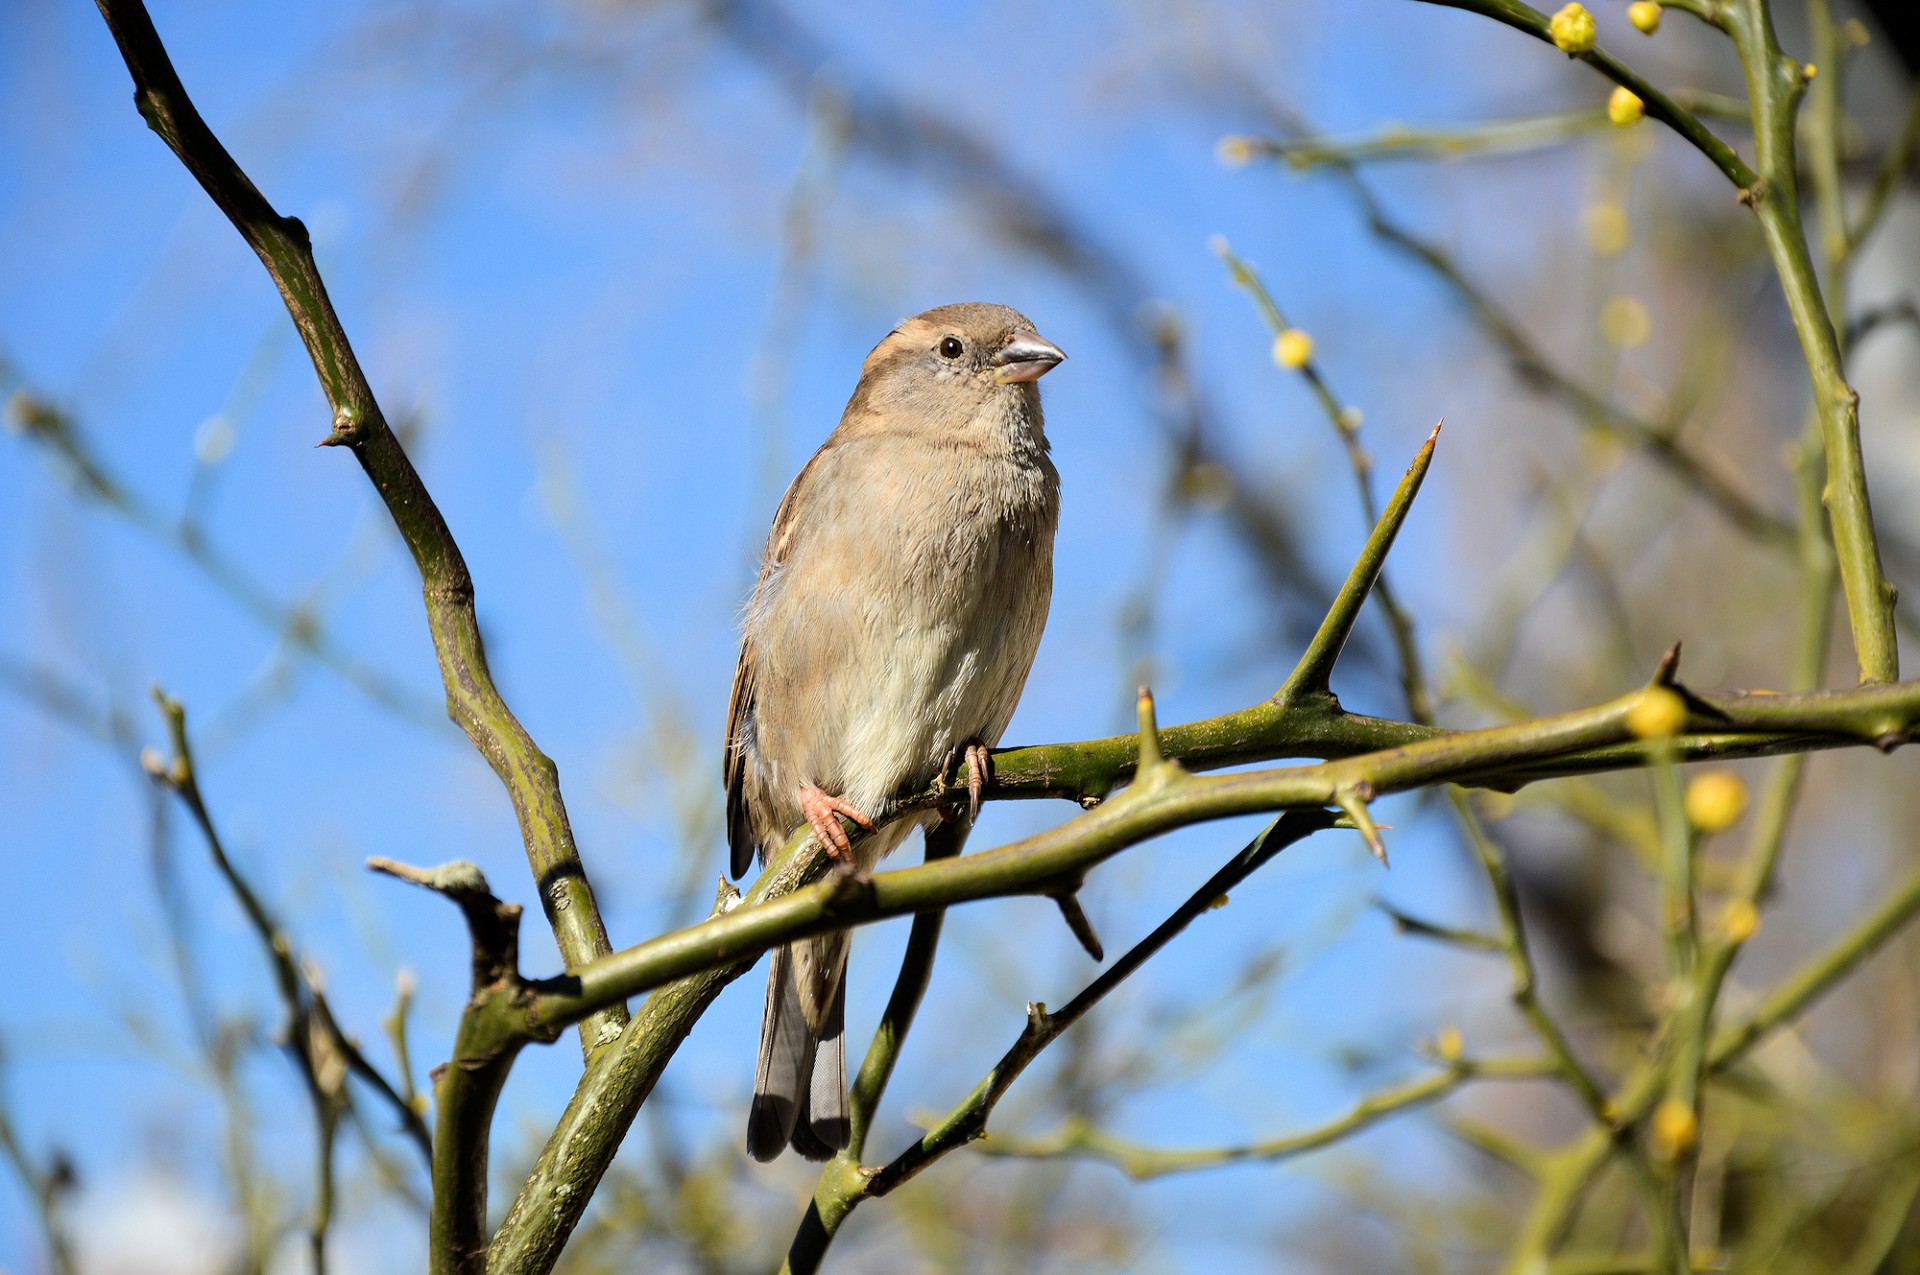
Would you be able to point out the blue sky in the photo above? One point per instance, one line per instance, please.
(564, 266)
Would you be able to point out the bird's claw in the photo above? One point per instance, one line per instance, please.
(979, 769)
(822, 810)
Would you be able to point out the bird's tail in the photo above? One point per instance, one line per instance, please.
(800, 1085)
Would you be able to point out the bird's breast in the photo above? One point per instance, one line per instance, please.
(907, 625)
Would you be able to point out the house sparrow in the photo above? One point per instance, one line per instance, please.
(901, 597)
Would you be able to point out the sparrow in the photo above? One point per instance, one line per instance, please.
(901, 598)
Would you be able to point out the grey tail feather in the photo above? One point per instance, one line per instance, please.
(783, 1076)
(823, 1126)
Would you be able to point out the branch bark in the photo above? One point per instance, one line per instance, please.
(531, 779)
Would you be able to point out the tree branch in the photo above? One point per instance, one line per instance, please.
(531, 779)
(1524, 17)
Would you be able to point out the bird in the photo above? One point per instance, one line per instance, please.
(901, 598)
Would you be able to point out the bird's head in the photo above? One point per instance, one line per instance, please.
(956, 368)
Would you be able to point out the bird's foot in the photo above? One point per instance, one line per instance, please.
(822, 811)
(979, 765)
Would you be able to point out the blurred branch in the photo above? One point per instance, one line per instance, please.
(1821, 974)
(1143, 1163)
(1312, 673)
(1893, 169)
(530, 777)
(321, 1051)
(839, 1193)
(46, 1187)
(1493, 137)
(296, 624)
(1526, 18)
(1525, 980)
(1414, 142)
(1774, 85)
(1659, 439)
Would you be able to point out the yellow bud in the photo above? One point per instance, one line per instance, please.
(1448, 1043)
(1645, 16)
(1624, 322)
(1234, 152)
(1809, 70)
(1607, 228)
(1572, 29)
(1675, 1129)
(1740, 921)
(1658, 714)
(1217, 904)
(1716, 800)
(1293, 349)
(153, 763)
(1624, 106)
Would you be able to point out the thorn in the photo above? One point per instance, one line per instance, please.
(1435, 435)
(1669, 665)
(1891, 740)
(1082, 928)
(1353, 800)
(1150, 754)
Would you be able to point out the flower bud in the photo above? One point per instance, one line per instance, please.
(1233, 152)
(1740, 921)
(1659, 714)
(1674, 1129)
(1716, 800)
(1607, 228)
(1624, 322)
(1293, 349)
(1624, 107)
(1645, 16)
(1572, 29)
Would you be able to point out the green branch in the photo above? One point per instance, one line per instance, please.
(1080, 1140)
(1524, 17)
(1820, 975)
(467, 1087)
(843, 1191)
(530, 777)
(1315, 669)
(1774, 85)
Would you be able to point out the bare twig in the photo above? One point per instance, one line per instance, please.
(530, 777)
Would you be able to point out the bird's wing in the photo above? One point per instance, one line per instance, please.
(740, 834)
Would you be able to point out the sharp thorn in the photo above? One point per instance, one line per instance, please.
(1082, 928)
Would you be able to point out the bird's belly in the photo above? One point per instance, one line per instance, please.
(953, 660)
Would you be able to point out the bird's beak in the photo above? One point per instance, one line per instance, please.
(1027, 357)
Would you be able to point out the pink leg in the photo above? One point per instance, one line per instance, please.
(822, 811)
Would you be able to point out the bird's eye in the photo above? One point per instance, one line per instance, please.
(950, 348)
